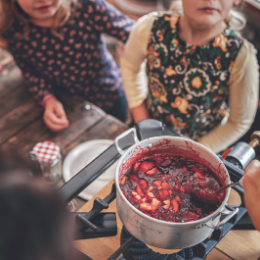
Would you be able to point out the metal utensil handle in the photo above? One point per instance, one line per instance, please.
(240, 182)
(230, 214)
(131, 130)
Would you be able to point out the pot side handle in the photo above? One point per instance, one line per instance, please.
(116, 142)
(230, 214)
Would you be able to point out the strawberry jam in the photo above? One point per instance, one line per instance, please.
(166, 188)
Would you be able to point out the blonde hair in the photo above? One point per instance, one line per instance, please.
(10, 10)
(235, 19)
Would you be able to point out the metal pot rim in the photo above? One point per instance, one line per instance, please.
(167, 223)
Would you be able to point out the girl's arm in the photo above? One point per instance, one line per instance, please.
(41, 89)
(107, 19)
(133, 67)
(243, 99)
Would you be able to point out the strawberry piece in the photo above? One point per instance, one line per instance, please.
(167, 202)
(150, 191)
(157, 159)
(135, 200)
(136, 167)
(200, 175)
(175, 205)
(165, 186)
(143, 183)
(148, 199)
(123, 180)
(164, 216)
(161, 196)
(157, 183)
(192, 215)
(133, 177)
(155, 202)
(171, 219)
(195, 169)
(184, 169)
(199, 209)
(150, 194)
(165, 193)
(178, 198)
(182, 190)
(139, 190)
(155, 214)
(138, 197)
(166, 206)
(145, 166)
(177, 220)
(151, 172)
(146, 206)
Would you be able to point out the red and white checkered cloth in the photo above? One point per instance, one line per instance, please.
(46, 151)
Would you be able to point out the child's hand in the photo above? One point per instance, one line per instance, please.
(54, 115)
(251, 185)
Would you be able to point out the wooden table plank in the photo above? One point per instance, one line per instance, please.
(13, 99)
(18, 119)
(93, 248)
(80, 119)
(108, 128)
(241, 244)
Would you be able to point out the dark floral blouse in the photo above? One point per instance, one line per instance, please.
(78, 61)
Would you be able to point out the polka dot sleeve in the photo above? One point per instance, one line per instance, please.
(37, 84)
(107, 19)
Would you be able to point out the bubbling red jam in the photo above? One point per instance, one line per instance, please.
(165, 187)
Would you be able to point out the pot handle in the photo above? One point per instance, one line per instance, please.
(230, 214)
(131, 130)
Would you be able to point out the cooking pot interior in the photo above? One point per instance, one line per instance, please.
(173, 146)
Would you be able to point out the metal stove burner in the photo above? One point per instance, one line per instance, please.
(138, 250)
(91, 224)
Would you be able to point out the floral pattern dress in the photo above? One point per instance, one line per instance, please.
(188, 84)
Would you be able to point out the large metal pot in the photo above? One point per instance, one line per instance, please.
(159, 233)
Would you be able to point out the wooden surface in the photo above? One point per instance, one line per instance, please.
(21, 121)
(21, 124)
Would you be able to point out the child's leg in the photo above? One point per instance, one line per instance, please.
(119, 110)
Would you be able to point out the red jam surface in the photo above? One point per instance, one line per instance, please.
(165, 187)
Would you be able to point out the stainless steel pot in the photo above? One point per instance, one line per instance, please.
(159, 233)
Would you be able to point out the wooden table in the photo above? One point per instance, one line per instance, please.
(21, 124)
(21, 121)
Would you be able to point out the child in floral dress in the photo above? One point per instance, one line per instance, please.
(58, 43)
(195, 63)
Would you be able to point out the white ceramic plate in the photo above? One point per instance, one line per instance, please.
(81, 156)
